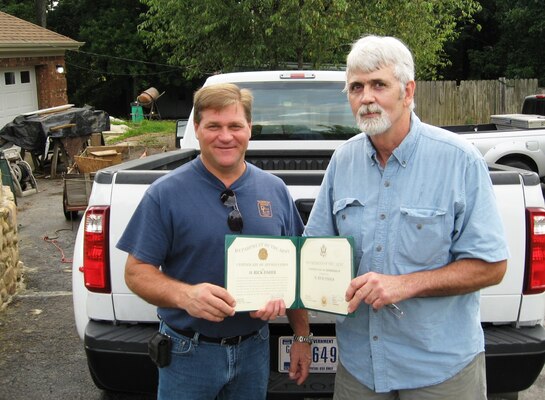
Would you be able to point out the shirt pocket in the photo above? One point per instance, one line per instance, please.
(422, 240)
(348, 214)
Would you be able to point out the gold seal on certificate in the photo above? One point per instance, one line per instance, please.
(311, 273)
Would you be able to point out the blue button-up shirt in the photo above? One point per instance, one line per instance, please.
(431, 204)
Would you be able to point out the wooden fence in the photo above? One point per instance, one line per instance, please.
(470, 102)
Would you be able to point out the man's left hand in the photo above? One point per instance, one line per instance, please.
(300, 360)
(272, 310)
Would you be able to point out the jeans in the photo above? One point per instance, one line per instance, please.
(207, 371)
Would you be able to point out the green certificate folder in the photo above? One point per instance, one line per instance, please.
(306, 272)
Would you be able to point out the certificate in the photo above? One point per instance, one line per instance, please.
(326, 269)
(311, 273)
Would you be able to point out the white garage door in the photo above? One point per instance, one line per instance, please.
(17, 93)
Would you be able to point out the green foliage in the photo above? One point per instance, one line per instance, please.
(23, 9)
(425, 26)
(146, 126)
(512, 42)
(209, 36)
(26, 9)
(104, 73)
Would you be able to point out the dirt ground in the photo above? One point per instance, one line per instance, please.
(150, 140)
(146, 144)
(41, 355)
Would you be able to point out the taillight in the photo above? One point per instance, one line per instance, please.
(95, 250)
(535, 251)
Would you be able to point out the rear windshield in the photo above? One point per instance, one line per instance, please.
(300, 111)
(534, 105)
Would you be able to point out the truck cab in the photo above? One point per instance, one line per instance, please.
(534, 104)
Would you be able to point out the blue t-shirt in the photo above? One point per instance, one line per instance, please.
(181, 224)
(433, 203)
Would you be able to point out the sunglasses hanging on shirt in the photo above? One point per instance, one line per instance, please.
(234, 219)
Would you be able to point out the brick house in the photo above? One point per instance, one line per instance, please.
(30, 58)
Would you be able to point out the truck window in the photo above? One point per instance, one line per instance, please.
(300, 111)
(534, 104)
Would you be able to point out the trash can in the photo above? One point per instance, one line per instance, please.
(137, 113)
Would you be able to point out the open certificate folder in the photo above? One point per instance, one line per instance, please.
(306, 272)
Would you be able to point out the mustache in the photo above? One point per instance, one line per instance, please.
(371, 108)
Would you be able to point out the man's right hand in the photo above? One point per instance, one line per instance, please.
(203, 300)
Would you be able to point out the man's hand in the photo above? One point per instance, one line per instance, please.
(459, 277)
(300, 360)
(272, 310)
(209, 302)
(204, 300)
(374, 289)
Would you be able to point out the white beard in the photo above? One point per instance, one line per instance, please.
(373, 126)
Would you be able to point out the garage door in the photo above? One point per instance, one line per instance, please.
(17, 93)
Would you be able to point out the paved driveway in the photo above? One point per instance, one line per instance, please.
(41, 355)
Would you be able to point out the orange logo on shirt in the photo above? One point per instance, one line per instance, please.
(265, 209)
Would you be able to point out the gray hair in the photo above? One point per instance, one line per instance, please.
(371, 53)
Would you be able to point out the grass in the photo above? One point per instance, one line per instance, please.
(168, 127)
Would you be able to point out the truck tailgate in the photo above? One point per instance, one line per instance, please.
(501, 303)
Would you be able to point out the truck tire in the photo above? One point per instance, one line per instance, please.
(517, 163)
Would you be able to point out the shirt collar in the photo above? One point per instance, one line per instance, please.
(403, 152)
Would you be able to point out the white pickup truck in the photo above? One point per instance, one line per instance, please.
(299, 119)
(517, 140)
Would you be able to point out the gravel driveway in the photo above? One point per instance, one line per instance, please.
(41, 355)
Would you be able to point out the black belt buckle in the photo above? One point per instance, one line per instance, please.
(231, 341)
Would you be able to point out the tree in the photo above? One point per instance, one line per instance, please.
(114, 65)
(30, 10)
(41, 11)
(19, 8)
(516, 51)
(504, 42)
(210, 35)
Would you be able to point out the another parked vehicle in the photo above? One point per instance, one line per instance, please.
(534, 104)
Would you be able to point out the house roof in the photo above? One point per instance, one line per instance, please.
(19, 37)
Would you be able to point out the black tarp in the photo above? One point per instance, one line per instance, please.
(30, 132)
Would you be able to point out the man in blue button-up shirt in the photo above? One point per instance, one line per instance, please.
(419, 203)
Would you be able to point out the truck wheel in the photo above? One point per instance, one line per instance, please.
(517, 164)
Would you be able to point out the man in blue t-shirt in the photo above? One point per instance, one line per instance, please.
(419, 203)
(175, 242)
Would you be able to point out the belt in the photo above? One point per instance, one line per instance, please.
(227, 341)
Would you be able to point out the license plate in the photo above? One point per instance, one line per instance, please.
(324, 354)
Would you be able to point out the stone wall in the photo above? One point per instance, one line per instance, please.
(11, 267)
